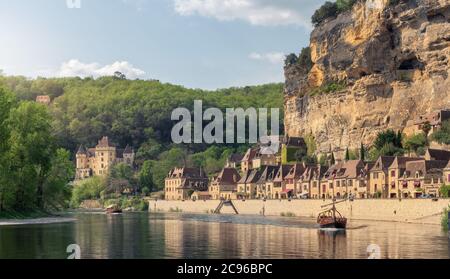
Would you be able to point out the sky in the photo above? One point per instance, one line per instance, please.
(204, 44)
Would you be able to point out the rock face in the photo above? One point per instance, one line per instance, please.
(394, 62)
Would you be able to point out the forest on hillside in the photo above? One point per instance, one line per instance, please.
(137, 112)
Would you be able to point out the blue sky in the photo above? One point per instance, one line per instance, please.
(196, 43)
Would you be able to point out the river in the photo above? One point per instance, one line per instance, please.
(175, 236)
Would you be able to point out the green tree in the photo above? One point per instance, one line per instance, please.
(31, 149)
(442, 136)
(57, 191)
(291, 59)
(416, 143)
(332, 159)
(362, 152)
(344, 5)
(88, 189)
(327, 10)
(444, 191)
(347, 155)
(146, 177)
(388, 137)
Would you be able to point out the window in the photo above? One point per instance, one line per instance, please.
(350, 183)
(392, 173)
(448, 178)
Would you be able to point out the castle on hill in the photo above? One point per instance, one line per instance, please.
(98, 160)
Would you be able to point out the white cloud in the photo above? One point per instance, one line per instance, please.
(271, 57)
(256, 12)
(76, 68)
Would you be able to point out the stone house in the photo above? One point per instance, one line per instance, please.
(247, 185)
(234, 161)
(247, 161)
(265, 182)
(293, 180)
(433, 119)
(180, 183)
(261, 160)
(312, 180)
(347, 178)
(378, 177)
(225, 185)
(395, 172)
(43, 99)
(98, 160)
(422, 177)
(278, 189)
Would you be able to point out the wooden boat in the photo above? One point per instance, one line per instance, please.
(332, 218)
(113, 209)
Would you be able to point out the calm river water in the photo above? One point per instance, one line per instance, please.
(145, 235)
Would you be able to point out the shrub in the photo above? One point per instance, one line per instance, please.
(89, 189)
(416, 143)
(290, 60)
(443, 135)
(331, 10)
(328, 10)
(444, 191)
(287, 214)
(330, 87)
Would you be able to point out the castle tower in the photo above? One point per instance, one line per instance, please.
(105, 156)
(82, 170)
(128, 155)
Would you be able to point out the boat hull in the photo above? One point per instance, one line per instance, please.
(331, 223)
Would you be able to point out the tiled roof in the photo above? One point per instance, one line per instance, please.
(400, 162)
(250, 155)
(424, 167)
(187, 173)
(268, 174)
(128, 150)
(296, 171)
(294, 141)
(228, 176)
(383, 163)
(104, 142)
(281, 173)
(438, 154)
(82, 150)
(254, 176)
(244, 177)
(235, 158)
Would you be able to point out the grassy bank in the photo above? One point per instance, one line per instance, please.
(24, 214)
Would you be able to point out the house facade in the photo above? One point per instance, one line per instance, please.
(180, 183)
(225, 185)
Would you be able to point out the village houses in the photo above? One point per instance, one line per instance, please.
(181, 183)
(390, 177)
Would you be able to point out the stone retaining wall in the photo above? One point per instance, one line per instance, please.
(413, 211)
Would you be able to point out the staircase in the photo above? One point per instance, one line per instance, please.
(225, 203)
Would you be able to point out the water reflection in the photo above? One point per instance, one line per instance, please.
(143, 235)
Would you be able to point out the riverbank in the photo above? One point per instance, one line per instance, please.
(409, 211)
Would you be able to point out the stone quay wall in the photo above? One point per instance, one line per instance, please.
(411, 211)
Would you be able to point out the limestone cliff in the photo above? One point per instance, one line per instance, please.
(393, 61)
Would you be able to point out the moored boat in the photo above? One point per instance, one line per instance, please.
(113, 209)
(331, 218)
